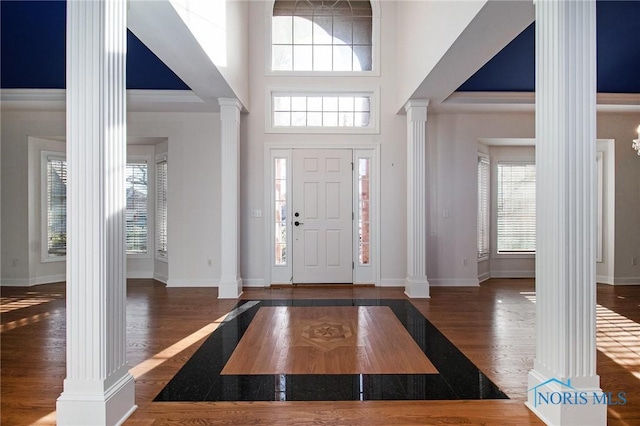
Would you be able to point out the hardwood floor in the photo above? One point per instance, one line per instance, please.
(493, 325)
(327, 340)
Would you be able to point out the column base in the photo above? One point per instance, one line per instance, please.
(560, 402)
(230, 288)
(417, 287)
(111, 407)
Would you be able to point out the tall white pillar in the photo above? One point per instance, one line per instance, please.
(230, 281)
(98, 388)
(416, 284)
(566, 216)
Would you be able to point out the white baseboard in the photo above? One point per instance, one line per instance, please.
(392, 282)
(183, 282)
(15, 282)
(253, 282)
(139, 274)
(483, 277)
(513, 274)
(162, 278)
(25, 282)
(604, 279)
(453, 282)
(626, 281)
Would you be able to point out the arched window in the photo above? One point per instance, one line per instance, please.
(322, 35)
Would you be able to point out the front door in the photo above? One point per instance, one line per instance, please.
(322, 216)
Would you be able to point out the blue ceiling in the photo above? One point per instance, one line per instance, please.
(32, 46)
(618, 45)
(32, 52)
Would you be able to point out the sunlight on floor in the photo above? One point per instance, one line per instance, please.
(618, 337)
(48, 419)
(24, 321)
(162, 356)
(8, 304)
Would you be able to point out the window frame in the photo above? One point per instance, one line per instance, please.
(162, 256)
(139, 159)
(482, 256)
(374, 111)
(45, 257)
(375, 48)
(494, 170)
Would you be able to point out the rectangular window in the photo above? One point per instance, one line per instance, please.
(136, 213)
(321, 111)
(161, 209)
(280, 213)
(364, 211)
(56, 206)
(516, 208)
(483, 206)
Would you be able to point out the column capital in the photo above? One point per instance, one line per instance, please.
(232, 102)
(416, 109)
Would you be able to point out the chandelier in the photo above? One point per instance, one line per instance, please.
(636, 142)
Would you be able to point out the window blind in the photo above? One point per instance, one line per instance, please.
(56, 206)
(161, 209)
(136, 213)
(483, 206)
(516, 209)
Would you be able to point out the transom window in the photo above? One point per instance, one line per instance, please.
(321, 111)
(321, 35)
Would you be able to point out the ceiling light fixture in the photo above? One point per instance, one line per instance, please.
(636, 142)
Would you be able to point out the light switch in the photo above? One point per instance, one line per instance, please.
(256, 213)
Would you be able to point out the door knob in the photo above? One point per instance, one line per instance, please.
(296, 223)
(296, 214)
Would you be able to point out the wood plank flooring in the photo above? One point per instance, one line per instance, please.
(327, 340)
(493, 325)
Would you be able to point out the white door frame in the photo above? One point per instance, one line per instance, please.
(282, 274)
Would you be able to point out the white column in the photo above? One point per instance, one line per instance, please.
(416, 284)
(566, 216)
(230, 281)
(98, 388)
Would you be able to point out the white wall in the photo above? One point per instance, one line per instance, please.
(436, 24)
(621, 128)
(20, 225)
(392, 140)
(193, 180)
(452, 152)
(193, 144)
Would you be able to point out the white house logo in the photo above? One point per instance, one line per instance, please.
(572, 396)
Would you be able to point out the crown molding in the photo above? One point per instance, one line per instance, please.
(137, 100)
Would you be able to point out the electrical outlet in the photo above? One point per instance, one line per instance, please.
(209, 263)
(634, 261)
(464, 261)
(256, 213)
(14, 262)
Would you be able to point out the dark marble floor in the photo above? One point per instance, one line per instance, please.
(200, 378)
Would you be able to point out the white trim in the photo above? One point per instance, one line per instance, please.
(392, 282)
(604, 279)
(479, 102)
(507, 141)
(29, 282)
(513, 274)
(454, 282)
(254, 282)
(139, 274)
(314, 90)
(186, 282)
(160, 277)
(626, 281)
(484, 277)
(600, 205)
(375, 48)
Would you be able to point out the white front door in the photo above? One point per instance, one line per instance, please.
(322, 216)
